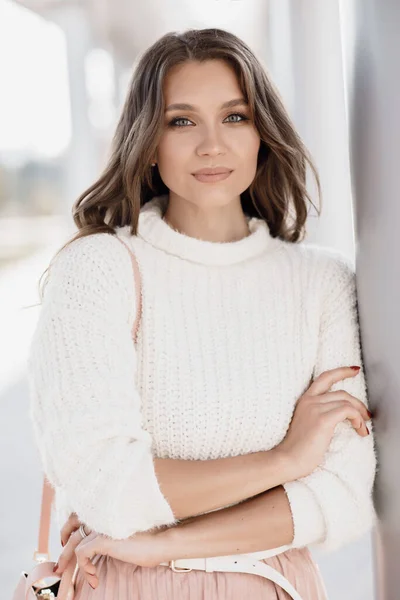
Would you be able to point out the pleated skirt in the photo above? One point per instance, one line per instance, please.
(125, 581)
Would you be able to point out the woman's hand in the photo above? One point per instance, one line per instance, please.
(314, 420)
(71, 525)
(146, 549)
(73, 541)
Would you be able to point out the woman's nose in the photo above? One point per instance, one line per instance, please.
(211, 142)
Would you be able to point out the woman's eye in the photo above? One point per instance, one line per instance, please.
(174, 122)
(243, 117)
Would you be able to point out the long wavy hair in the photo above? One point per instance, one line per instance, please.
(278, 193)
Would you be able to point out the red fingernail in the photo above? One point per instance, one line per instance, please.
(355, 368)
(55, 567)
(369, 414)
(62, 543)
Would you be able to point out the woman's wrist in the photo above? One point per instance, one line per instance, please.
(171, 543)
(279, 468)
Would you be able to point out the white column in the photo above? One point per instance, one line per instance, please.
(305, 56)
(82, 160)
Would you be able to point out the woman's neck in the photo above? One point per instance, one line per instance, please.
(222, 224)
(161, 234)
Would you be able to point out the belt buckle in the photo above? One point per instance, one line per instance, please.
(177, 569)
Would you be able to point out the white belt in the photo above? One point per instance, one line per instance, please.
(237, 563)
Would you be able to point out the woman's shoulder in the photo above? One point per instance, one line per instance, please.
(322, 258)
(92, 246)
(93, 251)
(323, 268)
(96, 263)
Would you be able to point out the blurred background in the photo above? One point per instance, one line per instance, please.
(64, 68)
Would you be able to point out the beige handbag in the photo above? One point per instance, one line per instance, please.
(41, 582)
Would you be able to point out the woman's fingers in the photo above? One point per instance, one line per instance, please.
(342, 409)
(86, 550)
(327, 379)
(68, 551)
(70, 526)
(340, 399)
(343, 395)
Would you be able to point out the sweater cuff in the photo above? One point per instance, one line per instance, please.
(141, 504)
(61, 507)
(308, 518)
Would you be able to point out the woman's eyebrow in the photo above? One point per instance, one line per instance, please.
(229, 104)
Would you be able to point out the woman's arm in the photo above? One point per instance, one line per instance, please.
(195, 487)
(260, 523)
(332, 505)
(84, 404)
(340, 489)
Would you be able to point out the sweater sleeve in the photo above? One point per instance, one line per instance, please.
(84, 403)
(333, 505)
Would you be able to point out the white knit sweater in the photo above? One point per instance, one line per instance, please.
(230, 336)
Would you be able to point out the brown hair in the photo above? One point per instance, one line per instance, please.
(278, 191)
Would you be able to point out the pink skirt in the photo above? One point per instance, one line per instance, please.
(125, 581)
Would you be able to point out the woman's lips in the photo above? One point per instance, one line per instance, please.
(212, 178)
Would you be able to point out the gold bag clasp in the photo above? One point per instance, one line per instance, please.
(45, 594)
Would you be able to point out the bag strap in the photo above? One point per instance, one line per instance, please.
(48, 491)
(138, 290)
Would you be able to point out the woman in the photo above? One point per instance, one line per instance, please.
(237, 421)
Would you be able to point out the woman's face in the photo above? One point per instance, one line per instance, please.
(207, 134)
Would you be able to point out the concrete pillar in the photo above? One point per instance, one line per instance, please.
(374, 99)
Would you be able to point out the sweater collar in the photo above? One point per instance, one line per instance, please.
(157, 232)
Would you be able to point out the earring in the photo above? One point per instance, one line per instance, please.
(153, 164)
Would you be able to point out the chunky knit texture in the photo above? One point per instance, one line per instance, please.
(231, 335)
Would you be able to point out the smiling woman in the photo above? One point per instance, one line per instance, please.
(207, 453)
(208, 135)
